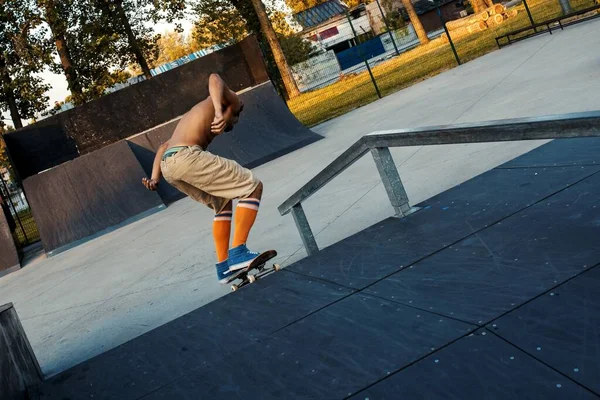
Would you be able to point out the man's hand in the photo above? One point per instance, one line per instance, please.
(151, 184)
(218, 125)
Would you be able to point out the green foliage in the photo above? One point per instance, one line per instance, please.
(104, 37)
(219, 22)
(4, 160)
(172, 46)
(394, 17)
(24, 51)
(296, 48)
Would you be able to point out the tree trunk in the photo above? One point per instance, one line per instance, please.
(70, 73)
(10, 95)
(415, 21)
(282, 65)
(133, 43)
(14, 111)
(63, 49)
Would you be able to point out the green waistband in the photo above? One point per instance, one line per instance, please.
(173, 150)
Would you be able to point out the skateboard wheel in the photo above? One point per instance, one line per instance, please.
(234, 288)
(276, 267)
(251, 278)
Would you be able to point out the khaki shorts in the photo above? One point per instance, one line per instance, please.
(207, 178)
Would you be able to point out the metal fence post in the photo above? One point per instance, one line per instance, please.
(529, 14)
(387, 26)
(439, 12)
(391, 180)
(310, 244)
(14, 210)
(362, 56)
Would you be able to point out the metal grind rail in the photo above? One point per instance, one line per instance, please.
(575, 125)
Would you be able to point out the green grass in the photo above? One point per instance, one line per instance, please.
(30, 228)
(414, 66)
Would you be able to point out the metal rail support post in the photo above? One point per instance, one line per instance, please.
(391, 180)
(310, 244)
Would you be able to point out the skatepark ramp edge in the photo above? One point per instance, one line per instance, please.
(563, 126)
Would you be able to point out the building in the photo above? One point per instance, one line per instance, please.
(425, 9)
(327, 25)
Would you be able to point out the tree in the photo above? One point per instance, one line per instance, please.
(219, 22)
(271, 37)
(4, 160)
(127, 18)
(115, 20)
(24, 51)
(393, 16)
(57, 16)
(173, 46)
(296, 48)
(221, 18)
(415, 21)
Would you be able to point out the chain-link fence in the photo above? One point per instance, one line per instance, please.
(375, 49)
(17, 210)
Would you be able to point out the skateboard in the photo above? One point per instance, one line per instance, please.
(259, 264)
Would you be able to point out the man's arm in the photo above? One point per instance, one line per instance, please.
(152, 183)
(222, 98)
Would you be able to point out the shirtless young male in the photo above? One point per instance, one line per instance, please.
(209, 179)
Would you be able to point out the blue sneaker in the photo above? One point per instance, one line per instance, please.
(240, 257)
(223, 271)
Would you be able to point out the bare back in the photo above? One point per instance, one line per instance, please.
(194, 128)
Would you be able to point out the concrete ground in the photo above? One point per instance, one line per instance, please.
(103, 293)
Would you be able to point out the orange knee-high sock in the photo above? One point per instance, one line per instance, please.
(245, 215)
(221, 233)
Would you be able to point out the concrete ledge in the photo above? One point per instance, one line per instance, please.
(19, 368)
(9, 257)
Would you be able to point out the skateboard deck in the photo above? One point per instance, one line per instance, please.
(259, 264)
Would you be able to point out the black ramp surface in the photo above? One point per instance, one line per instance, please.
(33, 150)
(506, 264)
(87, 195)
(562, 329)
(580, 151)
(479, 366)
(327, 355)
(58, 215)
(145, 152)
(266, 130)
(194, 340)
(386, 247)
